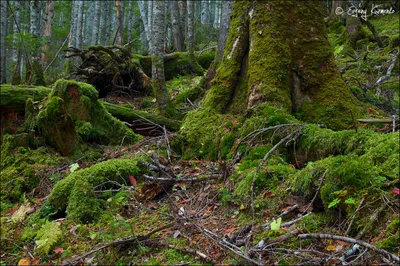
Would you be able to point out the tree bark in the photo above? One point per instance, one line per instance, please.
(36, 77)
(96, 23)
(204, 12)
(177, 29)
(120, 24)
(48, 26)
(158, 77)
(150, 25)
(3, 29)
(292, 69)
(226, 13)
(143, 15)
(79, 22)
(196, 68)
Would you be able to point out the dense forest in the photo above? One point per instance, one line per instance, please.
(181, 132)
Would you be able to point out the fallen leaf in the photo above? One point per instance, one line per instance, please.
(396, 191)
(133, 180)
(24, 261)
(242, 207)
(333, 261)
(331, 248)
(73, 230)
(227, 231)
(276, 224)
(183, 201)
(58, 250)
(269, 194)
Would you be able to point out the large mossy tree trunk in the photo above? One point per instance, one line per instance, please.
(278, 53)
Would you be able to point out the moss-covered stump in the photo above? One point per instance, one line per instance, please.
(177, 64)
(137, 118)
(73, 114)
(12, 105)
(76, 193)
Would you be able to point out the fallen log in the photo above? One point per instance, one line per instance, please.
(136, 117)
(13, 98)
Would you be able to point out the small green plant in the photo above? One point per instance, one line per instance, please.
(48, 236)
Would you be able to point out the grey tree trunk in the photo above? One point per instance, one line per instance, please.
(143, 15)
(150, 25)
(197, 11)
(177, 30)
(17, 53)
(205, 13)
(3, 29)
(217, 14)
(120, 24)
(48, 26)
(158, 76)
(90, 22)
(182, 16)
(107, 22)
(79, 22)
(212, 5)
(96, 24)
(196, 68)
(130, 19)
(35, 75)
(71, 41)
(226, 12)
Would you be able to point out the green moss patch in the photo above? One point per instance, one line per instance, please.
(76, 195)
(73, 114)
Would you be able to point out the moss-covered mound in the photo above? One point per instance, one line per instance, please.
(366, 160)
(15, 96)
(76, 193)
(73, 113)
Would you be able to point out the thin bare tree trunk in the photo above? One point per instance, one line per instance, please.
(36, 76)
(3, 29)
(150, 25)
(17, 56)
(79, 23)
(177, 30)
(96, 24)
(130, 20)
(47, 29)
(224, 29)
(158, 76)
(204, 12)
(190, 38)
(120, 26)
(143, 15)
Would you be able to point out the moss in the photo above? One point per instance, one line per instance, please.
(369, 156)
(76, 192)
(16, 96)
(73, 113)
(206, 58)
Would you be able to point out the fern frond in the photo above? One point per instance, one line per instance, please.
(48, 236)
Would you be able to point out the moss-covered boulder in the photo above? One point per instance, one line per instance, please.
(73, 114)
(76, 193)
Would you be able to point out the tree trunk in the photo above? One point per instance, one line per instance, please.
(96, 24)
(150, 25)
(36, 77)
(158, 77)
(3, 29)
(183, 17)
(130, 21)
(79, 23)
(177, 29)
(120, 26)
(107, 22)
(212, 5)
(90, 23)
(143, 15)
(205, 13)
(288, 67)
(226, 13)
(49, 14)
(196, 68)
